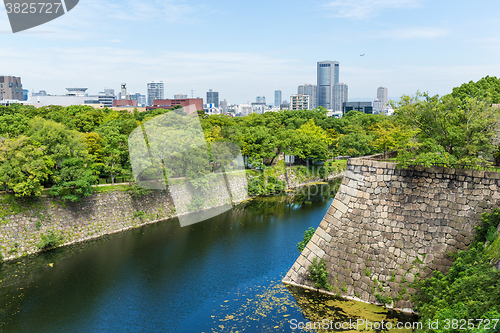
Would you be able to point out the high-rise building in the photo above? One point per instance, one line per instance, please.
(382, 96)
(213, 98)
(340, 95)
(123, 90)
(328, 76)
(300, 102)
(261, 99)
(11, 88)
(223, 105)
(180, 96)
(277, 97)
(155, 91)
(312, 91)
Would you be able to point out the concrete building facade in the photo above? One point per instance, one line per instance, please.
(11, 88)
(300, 102)
(340, 96)
(156, 90)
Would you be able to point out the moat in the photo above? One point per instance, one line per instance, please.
(220, 275)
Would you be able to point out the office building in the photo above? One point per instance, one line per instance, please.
(340, 96)
(107, 97)
(213, 98)
(260, 100)
(285, 105)
(223, 105)
(378, 106)
(382, 96)
(180, 96)
(277, 97)
(190, 105)
(25, 94)
(155, 91)
(11, 88)
(123, 90)
(327, 76)
(312, 91)
(365, 107)
(124, 102)
(300, 102)
(40, 93)
(74, 96)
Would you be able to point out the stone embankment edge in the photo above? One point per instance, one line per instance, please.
(393, 205)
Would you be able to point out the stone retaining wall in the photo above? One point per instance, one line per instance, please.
(388, 227)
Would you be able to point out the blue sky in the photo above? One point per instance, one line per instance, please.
(243, 49)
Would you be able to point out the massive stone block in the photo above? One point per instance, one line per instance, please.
(388, 227)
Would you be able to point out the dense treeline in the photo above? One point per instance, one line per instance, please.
(67, 149)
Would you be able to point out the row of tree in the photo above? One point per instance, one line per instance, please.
(68, 149)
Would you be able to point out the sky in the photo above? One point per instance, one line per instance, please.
(244, 49)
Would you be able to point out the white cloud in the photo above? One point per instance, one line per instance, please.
(360, 9)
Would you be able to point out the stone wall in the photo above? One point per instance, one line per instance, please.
(388, 227)
(94, 216)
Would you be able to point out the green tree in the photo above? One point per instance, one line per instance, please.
(312, 142)
(72, 177)
(114, 146)
(449, 128)
(488, 88)
(24, 167)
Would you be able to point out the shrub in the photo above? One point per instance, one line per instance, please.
(136, 191)
(470, 290)
(307, 237)
(49, 241)
(318, 274)
(487, 230)
(383, 299)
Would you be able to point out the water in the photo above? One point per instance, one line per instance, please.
(220, 275)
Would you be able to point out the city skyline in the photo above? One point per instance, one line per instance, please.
(408, 45)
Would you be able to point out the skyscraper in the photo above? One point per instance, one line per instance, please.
(328, 76)
(11, 88)
(213, 98)
(155, 91)
(260, 99)
(277, 97)
(312, 91)
(340, 95)
(382, 95)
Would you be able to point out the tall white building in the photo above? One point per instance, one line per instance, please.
(382, 96)
(300, 102)
(340, 95)
(155, 91)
